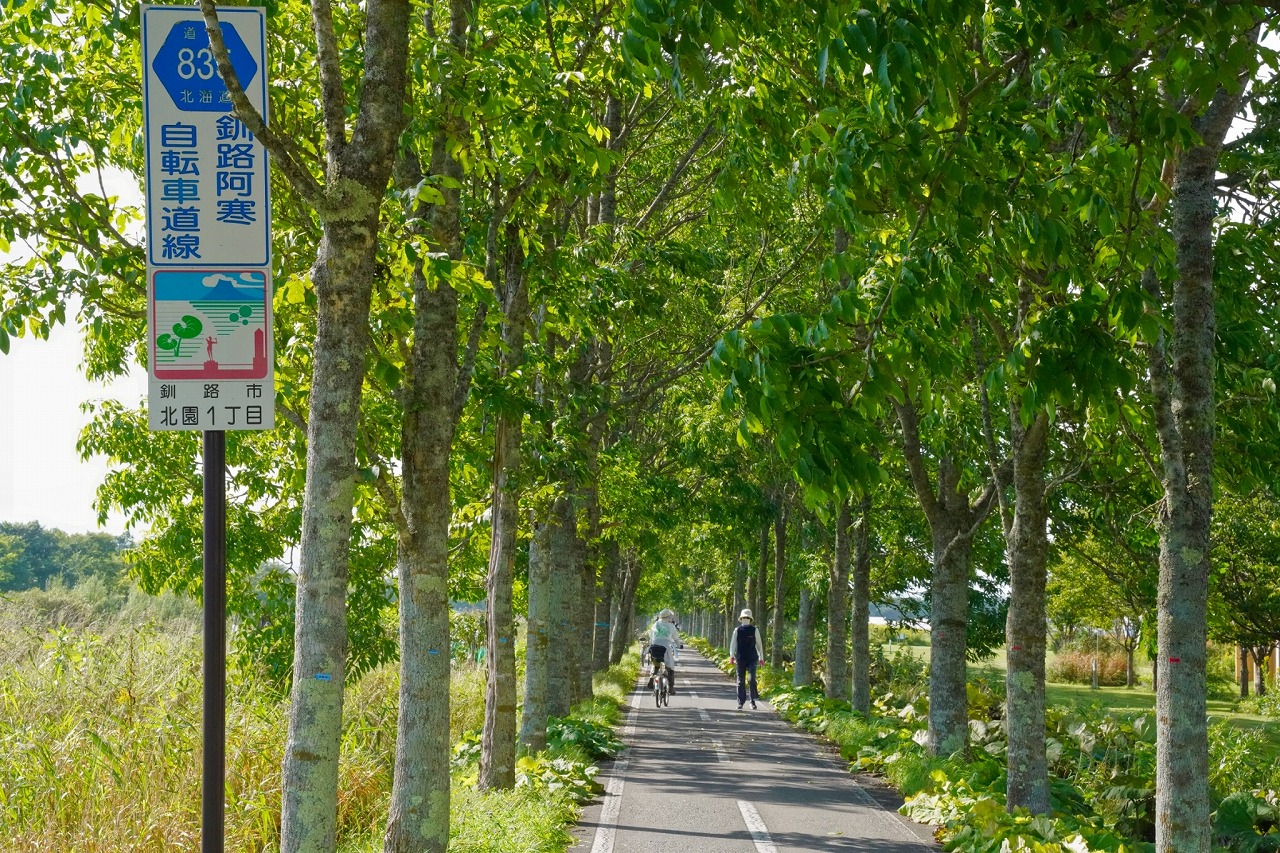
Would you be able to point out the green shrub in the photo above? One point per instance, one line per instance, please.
(897, 635)
(986, 695)
(595, 739)
(1220, 671)
(100, 734)
(615, 683)
(900, 672)
(1240, 760)
(1267, 705)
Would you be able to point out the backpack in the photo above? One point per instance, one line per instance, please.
(747, 644)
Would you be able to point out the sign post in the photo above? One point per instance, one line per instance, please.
(213, 767)
(209, 342)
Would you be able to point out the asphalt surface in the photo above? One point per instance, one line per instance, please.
(700, 776)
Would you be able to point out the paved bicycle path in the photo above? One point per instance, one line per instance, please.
(701, 776)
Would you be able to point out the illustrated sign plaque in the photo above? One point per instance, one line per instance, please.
(208, 225)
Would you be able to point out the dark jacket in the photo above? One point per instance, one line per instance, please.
(746, 645)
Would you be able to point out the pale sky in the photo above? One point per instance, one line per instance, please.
(42, 477)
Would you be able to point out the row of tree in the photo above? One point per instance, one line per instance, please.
(962, 271)
(32, 556)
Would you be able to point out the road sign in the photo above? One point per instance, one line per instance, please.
(208, 225)
(207, 188)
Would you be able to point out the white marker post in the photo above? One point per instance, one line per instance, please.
(210, 353)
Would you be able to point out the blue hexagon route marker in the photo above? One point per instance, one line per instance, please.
(184, 66)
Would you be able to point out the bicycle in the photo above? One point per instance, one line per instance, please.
(659, 680)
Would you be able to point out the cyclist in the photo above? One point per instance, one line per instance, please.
(665, 643)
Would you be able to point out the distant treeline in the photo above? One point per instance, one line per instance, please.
(31, 556)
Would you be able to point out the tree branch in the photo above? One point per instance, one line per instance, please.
(281, 150)
(333, 99)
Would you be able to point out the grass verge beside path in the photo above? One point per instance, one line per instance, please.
(100, 736)
(551, 787)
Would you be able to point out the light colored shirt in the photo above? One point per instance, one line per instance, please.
(665, 634)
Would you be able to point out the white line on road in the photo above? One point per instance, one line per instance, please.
(755, 825)
(607, 828)
(702, 712)
(720, 753)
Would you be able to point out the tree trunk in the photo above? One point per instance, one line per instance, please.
(418, 818)
(948, 616)
(622, 634)
(1260, 655)
(803, 675)
(779, 581)
(952, 524)
(756, 591)
(498, 738)
(566, 584)
(1242, 665)
(343, 276)
(584, 608)
(609, 567)
(837, 686)
(860, 618)
(1184, 399)
(1026, 626)
(419, 814)
(739, 593)
(537, 647)
(497, 750)
(728, 617)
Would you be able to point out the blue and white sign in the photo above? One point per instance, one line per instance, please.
(208, 225)
(207, 189)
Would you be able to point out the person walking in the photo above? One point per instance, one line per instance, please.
(746, 650)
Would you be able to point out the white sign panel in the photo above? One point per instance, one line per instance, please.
(208, 225)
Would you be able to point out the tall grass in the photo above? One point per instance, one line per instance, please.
(102, 745)
(100, 738)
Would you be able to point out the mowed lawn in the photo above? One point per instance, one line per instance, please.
(1124, 700)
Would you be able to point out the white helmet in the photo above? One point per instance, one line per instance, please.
(667, 615)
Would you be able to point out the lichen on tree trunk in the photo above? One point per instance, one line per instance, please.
(779, 584)
(1026, 625)
(860, 611)
(343, 278)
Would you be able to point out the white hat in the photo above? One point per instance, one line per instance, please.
(667, 615)
(746, 614)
